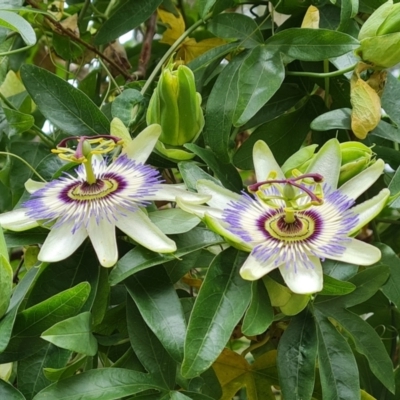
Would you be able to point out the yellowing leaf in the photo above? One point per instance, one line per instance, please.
(311, 19)
(12, 85)
(190, 49)
(175, 26)
(234, 373)
(366, 112)
(366, 396)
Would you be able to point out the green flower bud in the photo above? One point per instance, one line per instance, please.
(380, 37)
(176, 106)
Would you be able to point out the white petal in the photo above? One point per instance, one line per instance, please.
(361, 182)
(253, 269)
(139, 227)
(142, 145)
(303, 280)
(61, 242)
(102, 236)
(17, 220)
(369, 209)
(327, 163)
(358, 253)
(197, 209)
(171, 192)
(220, 197)
(264, 162)
(32, 186)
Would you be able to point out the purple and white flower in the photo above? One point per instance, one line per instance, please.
(292, 224)
(75, 208)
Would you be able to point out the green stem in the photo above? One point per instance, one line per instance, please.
(6, 153)
(170, 51)
(35, 129)
(326, 71)
(84, 9)
(322, 74)
(7, 53)
(109, 74)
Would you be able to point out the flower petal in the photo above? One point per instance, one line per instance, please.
(361, 182)
(139, 227)
(327, 163)
(369, 209)
(102, 236)
(198, 209)
(171, 192)
(264, 162)
(142, 145)
(32, 186)
(17, 220)
(358, 253)
(303, 280)
(253, 269)
(61, 242)
(220, 197)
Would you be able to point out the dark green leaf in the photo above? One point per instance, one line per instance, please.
(148, 348)
(65, 106)
(349, 9)
(335, 287)
(18, 122)
(222, 300)
(9, 392)
(159, 306)
(261, 75)
(260, 313)
(236, 26)
(339, 270)
(29, 324)
(74, 334)
(104, 384)
(295, 42)
(124, 106)
(297, 352)
(336, 119)
(129, 16)
(140, 258)
(337, 366)
(191, 173)
(226, 173)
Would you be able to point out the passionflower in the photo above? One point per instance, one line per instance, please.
(294, 223)
(97, 198)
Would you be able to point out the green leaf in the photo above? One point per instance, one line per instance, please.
(6, 282)
(30, 323)
(284, 135)
(6, 324)
(127, 17)
(56, 374)
(339, 270)
(104, 384)
(63, 105)
(391, 289)
(226, 173)
(125, 106)
(160, 307)
(260, 313)
(191, 173)
(337, 366)
(297, 352)
(367, 342)
(32, 380)
(236, 26)
(221, 302)
(261, 75)
(349, 9)
(140, 258)
(174, 221)
(148, 348)
(73, 334)
(18, 122)
(295, 43)
(335, 119)
(335, 287)
(9, 392)
(15, 22)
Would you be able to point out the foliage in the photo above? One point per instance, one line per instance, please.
(186, 325)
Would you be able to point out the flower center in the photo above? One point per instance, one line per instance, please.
(98, 190)
(302, 227)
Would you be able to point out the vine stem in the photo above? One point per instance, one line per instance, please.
(327, 83)
(170, 51)
(6, 153)
(322, 74)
